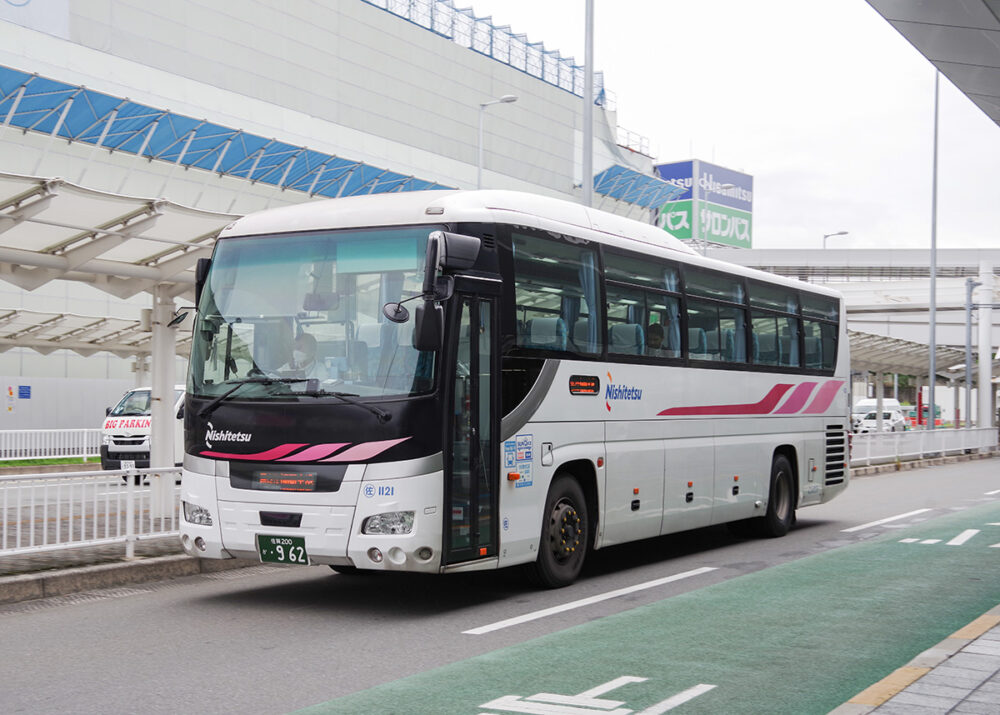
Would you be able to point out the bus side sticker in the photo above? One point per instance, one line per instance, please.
(517, 457)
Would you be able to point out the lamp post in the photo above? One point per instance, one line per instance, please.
(506, 99)
(827, 235)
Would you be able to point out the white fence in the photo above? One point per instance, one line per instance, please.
(44, 512)
(884, 447)
(44, 444)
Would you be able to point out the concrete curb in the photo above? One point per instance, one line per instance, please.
(60, 582)
(920, 463)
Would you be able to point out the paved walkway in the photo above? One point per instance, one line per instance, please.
(959, 675)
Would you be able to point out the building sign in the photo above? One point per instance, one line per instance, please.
(716, 205)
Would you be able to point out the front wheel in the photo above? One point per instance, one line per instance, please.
(781, 500)
(565, 534)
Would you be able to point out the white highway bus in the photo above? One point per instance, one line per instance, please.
(446, 381)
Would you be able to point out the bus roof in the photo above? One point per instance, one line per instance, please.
(485, 206)
(413, 207)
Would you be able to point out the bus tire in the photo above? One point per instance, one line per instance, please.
(565, 534)
(780, 513)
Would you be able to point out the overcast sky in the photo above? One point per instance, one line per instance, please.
(825, 104)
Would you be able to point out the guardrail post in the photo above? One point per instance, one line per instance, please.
(130, 513)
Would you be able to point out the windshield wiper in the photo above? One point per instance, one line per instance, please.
(210, 407)
(348, 397)
(311, 391)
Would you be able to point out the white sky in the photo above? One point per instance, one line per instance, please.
(825, 104)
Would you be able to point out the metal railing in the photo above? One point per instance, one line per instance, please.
(42, 444)
(44, 512)
(881, 448)
(461, 26)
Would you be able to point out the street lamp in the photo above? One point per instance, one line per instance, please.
(506, 99)
(827, 235)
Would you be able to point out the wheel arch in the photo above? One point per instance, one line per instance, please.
(585, 473)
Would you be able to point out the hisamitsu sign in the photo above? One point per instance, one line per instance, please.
(716, 205)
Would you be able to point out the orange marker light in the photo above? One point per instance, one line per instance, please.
(690, 484)
(635, 490)
(482, 551)
(600, 461)
(736, 478)
(513, 476)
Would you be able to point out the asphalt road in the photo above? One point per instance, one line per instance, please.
(723, 624)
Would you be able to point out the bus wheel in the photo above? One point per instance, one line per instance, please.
(565, 534)
(781, 500)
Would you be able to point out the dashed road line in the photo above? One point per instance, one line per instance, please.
(885, 521)
(963, 537)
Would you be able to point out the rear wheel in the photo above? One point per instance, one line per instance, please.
(781, 500)
(565, 534)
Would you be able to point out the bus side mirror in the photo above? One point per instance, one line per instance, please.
(107, 411)
(200, 276)
(428, 326)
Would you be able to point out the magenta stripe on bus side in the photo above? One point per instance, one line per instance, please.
(367, 450)
(824, 397)
(797, 400)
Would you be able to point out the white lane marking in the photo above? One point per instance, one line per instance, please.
(885, 521)
(679, 699)
(995, 546)
(611, 685)
(995, 491)
(931, 541)
(963, 537)
(908, 541)
(993, 523)
(517, 620)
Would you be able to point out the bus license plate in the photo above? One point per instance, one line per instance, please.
(282, 549)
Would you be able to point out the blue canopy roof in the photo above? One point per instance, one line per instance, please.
(624, 184)
(77, 113)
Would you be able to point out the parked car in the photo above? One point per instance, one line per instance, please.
(892, 421)
(127, 429)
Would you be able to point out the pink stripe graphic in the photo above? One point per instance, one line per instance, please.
(367, 450)
(824, 397)
(797, 399)
(758, 408)
(273, 453)
(317, 451)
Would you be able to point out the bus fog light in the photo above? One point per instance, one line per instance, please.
(194, 514)
(200, 543)
(391, 522)
(397, 555)
(424, 553)
(375, 555)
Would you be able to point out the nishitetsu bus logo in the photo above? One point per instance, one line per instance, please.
(613, 392)
(224, 436)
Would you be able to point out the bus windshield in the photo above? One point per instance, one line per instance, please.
(310, 306)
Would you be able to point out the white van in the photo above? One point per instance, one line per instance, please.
(127, 427)
(870, 404)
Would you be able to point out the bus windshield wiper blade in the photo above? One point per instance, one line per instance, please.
(210, 407)
(348, 397)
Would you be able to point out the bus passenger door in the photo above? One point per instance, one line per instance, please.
(472, 459)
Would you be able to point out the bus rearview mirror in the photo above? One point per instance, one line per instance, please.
(428, 326)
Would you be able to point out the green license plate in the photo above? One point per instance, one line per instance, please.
(282, 549)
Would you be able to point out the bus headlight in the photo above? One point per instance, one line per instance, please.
(194, 514)
(391, 522)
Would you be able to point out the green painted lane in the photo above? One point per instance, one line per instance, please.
(802, 637)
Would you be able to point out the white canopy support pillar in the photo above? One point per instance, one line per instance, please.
(985, 301)
(879, 400)
(161, 438)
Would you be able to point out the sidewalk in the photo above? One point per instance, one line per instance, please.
(961, 674)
